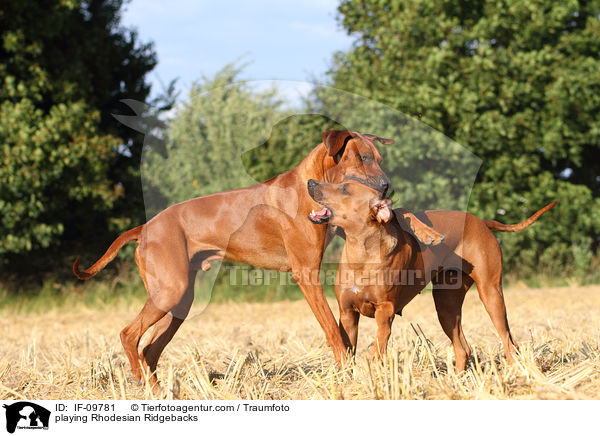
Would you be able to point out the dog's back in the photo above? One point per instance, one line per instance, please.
(469, 246)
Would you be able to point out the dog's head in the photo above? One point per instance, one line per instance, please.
(354, 156)
(350, 205)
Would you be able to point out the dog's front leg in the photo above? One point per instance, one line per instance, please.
(384, 316)
(305, 255)
(313, 292)
(349, 329)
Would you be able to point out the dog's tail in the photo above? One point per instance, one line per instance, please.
(110, 254)
(499, 227)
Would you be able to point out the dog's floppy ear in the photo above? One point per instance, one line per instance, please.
(385, 141)
(334, 141)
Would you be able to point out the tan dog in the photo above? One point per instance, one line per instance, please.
(265, 225)
(383, 267)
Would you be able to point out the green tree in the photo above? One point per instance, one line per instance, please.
(205, 138)
(515, 81)
(67, 165)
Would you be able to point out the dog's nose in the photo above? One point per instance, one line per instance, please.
(311, 183)
(384, 185)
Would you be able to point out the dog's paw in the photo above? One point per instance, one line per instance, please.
(136, 381)
(427, 235)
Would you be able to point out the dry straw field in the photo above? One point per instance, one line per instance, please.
(277, 351)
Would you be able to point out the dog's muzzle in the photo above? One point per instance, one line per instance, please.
(382, 185)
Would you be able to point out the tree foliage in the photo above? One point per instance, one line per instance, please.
(517, 82)
(205, 137)
(66, 164)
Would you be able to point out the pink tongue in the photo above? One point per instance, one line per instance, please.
(320, 214)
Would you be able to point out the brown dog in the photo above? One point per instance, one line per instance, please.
(264, 225)
(383, 267)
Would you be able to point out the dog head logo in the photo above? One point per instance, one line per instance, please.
(26, 415)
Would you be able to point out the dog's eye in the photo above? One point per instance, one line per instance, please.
(344, 191)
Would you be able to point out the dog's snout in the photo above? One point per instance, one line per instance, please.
(313, 189)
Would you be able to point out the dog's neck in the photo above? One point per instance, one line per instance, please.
(374, 244)
(315, 165)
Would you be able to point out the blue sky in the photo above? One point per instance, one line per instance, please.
(283, 40)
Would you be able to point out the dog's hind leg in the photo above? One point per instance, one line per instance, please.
(448, 304)
(165, 329)
(163, 332)
(487, 274)
(492, 297)
(131, 334)
(166, 278)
